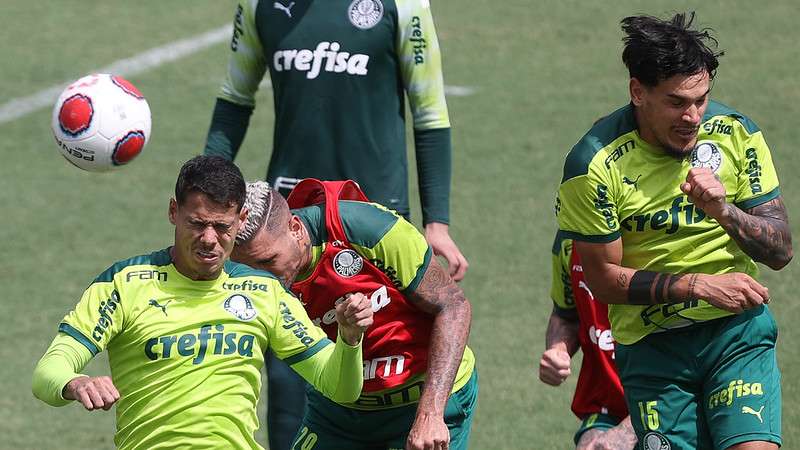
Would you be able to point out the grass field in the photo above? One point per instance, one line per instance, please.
(542, 72)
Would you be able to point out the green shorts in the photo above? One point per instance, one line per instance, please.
(596, 421)
(330, 426)
(710, 385)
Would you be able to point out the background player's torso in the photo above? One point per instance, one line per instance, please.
(339, 103)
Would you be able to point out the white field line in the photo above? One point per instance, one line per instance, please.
(22, 106)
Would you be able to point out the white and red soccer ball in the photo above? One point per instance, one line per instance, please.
(101, 122)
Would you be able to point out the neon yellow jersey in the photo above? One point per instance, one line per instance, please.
(561, 283)
(186, 356)
(616, 185)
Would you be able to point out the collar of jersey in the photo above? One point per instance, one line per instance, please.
(316, 256)
(187, 283)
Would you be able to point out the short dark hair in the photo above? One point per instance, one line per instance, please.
(213, 176)
(656, 49)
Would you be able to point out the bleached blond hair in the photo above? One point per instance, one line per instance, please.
(259, 203)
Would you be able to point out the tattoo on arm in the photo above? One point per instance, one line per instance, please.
(651, 288)
(762, 232)
(441, 297)
(622, 280)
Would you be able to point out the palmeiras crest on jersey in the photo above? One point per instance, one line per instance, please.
(655, 441)
(240, 306)
(347, 263)
(706, 154)
(365, 14)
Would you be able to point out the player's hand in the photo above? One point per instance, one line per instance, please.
(734, 292)
(93, 392)
(707, 192)
(354, 315)
(438, 237)
(554, 367)
(621, 437)
(429, 432)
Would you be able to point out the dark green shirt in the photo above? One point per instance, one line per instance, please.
(340, 70)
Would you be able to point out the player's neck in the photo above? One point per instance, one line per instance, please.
(186, 271)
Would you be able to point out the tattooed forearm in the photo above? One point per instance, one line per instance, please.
(562, 331)
(762, 232)
(651, 288)
(440, 296)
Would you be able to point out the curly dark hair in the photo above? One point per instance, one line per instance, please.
(215, 177)
(656, 49)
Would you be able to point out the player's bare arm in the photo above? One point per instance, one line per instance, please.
(615, 284)
(438, 237)
(561, 342)
(92, 392)
(762, 232)
(438, 295)
(620, 437)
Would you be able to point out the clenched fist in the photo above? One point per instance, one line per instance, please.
(354, 315)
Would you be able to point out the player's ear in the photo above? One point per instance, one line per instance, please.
(243, 216)
(636, 89)
(296, 228)
(173, 211)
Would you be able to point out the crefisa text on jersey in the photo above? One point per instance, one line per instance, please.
(186, 344)
(106, 309)
(245, 285)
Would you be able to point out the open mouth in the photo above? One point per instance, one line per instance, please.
(207, 257)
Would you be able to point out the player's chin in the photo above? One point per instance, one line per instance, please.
(682, 143)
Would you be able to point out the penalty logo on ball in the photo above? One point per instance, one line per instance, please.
(75, 115)
(347, 263)
(128, 147)
(706, 154)
(127, 86)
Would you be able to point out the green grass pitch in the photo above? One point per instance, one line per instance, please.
(542, 72)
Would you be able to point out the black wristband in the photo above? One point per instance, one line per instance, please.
(640, 291)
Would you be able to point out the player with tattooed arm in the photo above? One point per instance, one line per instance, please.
(420, 383)
(670, 201)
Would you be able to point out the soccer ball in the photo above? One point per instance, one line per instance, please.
(101, 122)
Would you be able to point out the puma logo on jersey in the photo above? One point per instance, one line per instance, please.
(633, 183)
(286, 9)
(749, 410)
(326, 56)
(163, 308)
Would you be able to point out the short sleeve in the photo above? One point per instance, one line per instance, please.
(561, 286)
(97, 318)
(586, 203)
(758, 181)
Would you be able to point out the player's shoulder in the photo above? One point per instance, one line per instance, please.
(562, 244)
(147, 262)
(720, 118)
(601, 135)
(255, 283)
(364, 223)
(239, 270)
